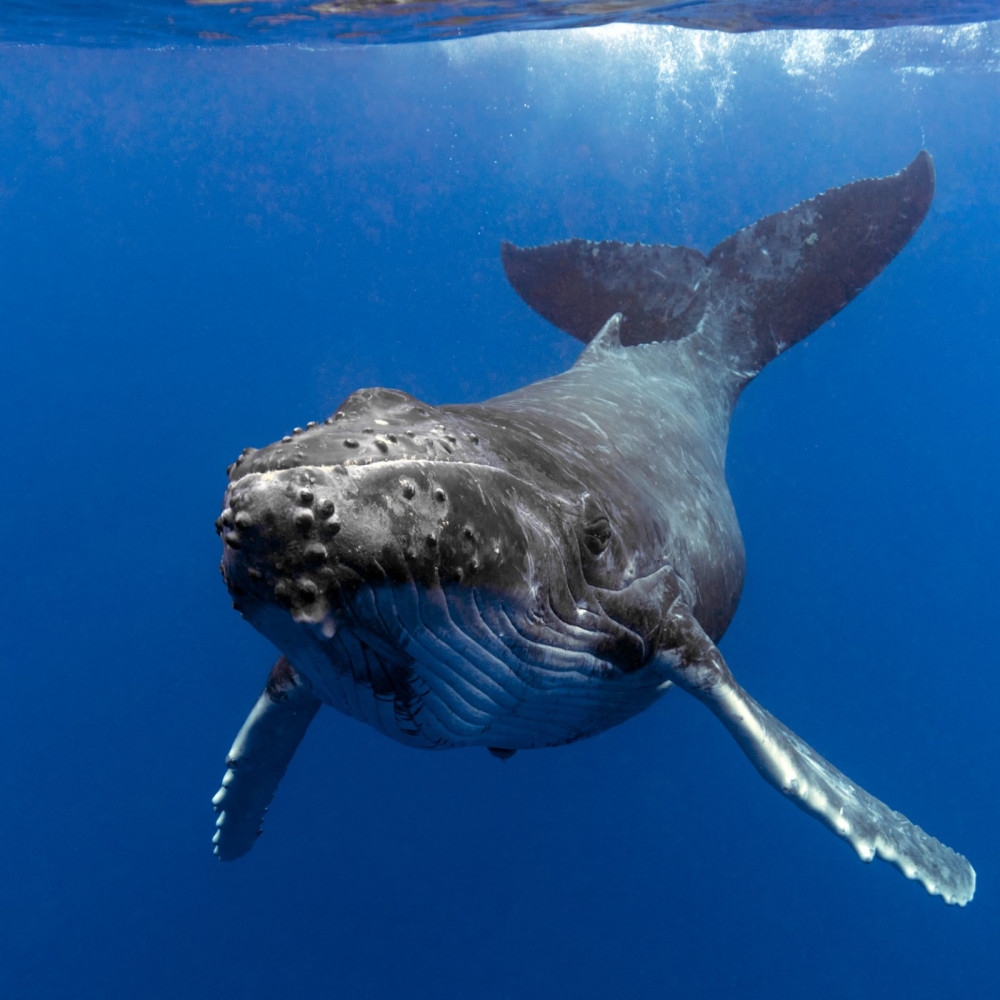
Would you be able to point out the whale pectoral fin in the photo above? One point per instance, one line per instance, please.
(259, 758)
(810, 781)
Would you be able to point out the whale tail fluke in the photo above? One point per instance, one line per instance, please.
(758, 292)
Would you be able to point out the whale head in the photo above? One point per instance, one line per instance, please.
(392, 557)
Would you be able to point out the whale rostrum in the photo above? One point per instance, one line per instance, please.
(537, 568)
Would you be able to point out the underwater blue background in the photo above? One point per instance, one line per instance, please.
(202, 248)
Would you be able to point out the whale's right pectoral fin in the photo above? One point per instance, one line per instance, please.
(259, 758)
(811, 782)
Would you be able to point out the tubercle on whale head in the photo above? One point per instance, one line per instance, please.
(287, 539)
(298, 537)
(306, 540)
(371, 425)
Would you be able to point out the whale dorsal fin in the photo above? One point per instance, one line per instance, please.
(755, 294)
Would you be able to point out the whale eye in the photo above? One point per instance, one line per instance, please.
(595, 528)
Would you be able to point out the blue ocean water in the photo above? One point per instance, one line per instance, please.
(202, 248)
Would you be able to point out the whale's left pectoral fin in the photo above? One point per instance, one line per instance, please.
(798, 771)
(259, 758)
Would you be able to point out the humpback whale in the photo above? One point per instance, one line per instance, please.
(539, 567)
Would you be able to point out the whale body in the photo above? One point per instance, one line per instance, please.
(537, 568)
